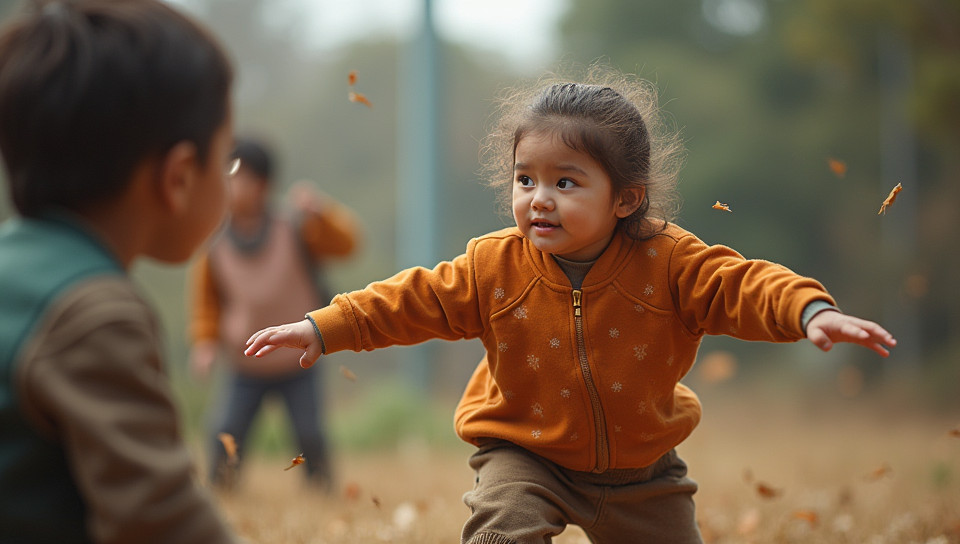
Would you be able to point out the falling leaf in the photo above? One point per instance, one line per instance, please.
(889, 200)
(230, 446)
(881, 471)
(955, 432)
(358, 97)
(809, 516)
(719, 206)
(295, 461)
(767, 492)
(376, 501)
(838, 167)
(352, 78)
(717, 366)
(347, 373)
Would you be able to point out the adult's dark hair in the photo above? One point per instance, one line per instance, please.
(255, 155)
(91, 88)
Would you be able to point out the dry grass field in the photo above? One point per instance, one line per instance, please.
(791, 472)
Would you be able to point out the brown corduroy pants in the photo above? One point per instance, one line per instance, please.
(522, 498)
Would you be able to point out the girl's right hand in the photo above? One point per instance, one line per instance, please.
(299, 335)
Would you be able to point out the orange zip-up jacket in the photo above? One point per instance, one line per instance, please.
(587, 378)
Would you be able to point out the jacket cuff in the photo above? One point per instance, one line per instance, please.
(316, 329)
(813, 309)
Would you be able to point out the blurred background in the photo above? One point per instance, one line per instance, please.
(801, 115)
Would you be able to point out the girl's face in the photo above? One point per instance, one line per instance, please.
(563, 200)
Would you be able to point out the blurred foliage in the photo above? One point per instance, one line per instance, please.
(765, 91)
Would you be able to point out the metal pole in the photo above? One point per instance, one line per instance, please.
(898, 230)
(417, 165)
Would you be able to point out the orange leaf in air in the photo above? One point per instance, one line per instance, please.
(809, 516)
(767, 492)
(230, 446)
(724, 207)
(352, 78)
(838, 167)
(359, 97)
(717, 366)
(347, 373)
(954, 432)
(295, 461)
(889, 200)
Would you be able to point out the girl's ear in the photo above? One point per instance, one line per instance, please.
(629, 200)
(178, 172)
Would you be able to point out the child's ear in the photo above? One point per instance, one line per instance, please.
(178, 171)
(629, 200)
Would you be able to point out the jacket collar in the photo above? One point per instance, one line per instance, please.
(607, 267)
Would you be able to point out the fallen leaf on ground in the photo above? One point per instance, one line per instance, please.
(749, 522)
(767, 492)
(809, 516)
(879, 472)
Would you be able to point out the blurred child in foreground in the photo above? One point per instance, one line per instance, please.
(115, 128)
(263, 268)
(591, 311)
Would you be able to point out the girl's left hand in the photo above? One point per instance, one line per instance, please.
(830, 326)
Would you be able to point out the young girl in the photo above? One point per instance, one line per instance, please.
(591, 311)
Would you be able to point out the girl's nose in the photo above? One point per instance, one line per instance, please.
(542, 199)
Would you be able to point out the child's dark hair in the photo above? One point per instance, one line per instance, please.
(89, 89)
(254, 154)
(614, 118)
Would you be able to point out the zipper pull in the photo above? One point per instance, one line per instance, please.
(577, 294)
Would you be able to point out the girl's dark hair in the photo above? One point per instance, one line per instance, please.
(612, 117)
(255, 155)
(91, 88)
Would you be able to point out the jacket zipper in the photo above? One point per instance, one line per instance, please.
(603, 449)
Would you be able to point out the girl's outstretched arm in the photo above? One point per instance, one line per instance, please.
(299, 335)
(830, 326)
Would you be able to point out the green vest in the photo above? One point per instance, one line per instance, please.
(40, 260)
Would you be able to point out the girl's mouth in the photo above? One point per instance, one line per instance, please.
(542, 226)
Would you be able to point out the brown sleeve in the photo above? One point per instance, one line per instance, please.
(93, 381)
(204, 301)
(333, 231)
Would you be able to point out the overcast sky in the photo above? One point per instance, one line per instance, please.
(524, 30)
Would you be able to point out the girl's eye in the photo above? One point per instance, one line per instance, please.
(524, 181)
(565, 184)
